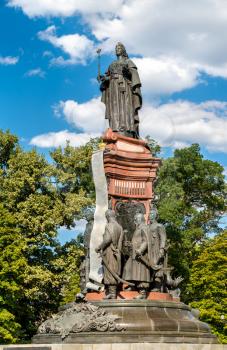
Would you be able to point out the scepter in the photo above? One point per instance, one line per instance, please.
(99, 68)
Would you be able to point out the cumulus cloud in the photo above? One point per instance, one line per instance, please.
(8, 60)
(62, 8)
(181, 123)
(194, 30)
(179, 39)
(56, 139)
(165, 75)
(176, 124)
(78, 47)
(190, 35)
(88, 116)
(36, 72)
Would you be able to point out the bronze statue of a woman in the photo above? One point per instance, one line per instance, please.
(121, 94)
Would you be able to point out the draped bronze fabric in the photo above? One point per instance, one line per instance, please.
(157, 239)
(122, 96)
(111, 245)
(134, 269)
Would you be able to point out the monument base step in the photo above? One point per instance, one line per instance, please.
(135, 321)
(115, 346)
(130, 295)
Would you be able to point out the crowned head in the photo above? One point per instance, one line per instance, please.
(121, 50)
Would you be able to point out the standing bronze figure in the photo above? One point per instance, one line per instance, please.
(157, 234)
(85, 263)
(137, 267)
(157, 237)
(110, 250)
(121, 94)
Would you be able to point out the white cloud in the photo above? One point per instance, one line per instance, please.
(190, 33)
(195, 30)
(36, 72)
(180, 123)
(63, 8)
(56, 139)
(165, 75)
(179, 39)
(88, 116)
(8, 60)
(78, 47)
(175, 124)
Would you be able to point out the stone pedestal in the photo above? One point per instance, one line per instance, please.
(116, 346)
(131, 170)
(130, 295)
(156, 321)
(141, 321)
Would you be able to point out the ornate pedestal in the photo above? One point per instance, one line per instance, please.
(130, 295)
(128, 173)
(131, 171)
(129, 321)
(154, 321)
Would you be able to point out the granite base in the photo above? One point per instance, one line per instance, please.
(142, 321)
(116, 346)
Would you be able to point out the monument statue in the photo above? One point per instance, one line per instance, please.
(110, 250)
(121, 94)
(137, 267)
(126, 250)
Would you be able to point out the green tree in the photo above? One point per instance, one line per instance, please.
(12, 265)
(191, 193)
(155, 148)
(207, 289)
(8, 144)
(39, 197)
(68, 262)
(73, 179)
(28, 195)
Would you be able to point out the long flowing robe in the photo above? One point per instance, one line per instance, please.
(112, 246)
(134, 269)
(122, 96)
(157, 240)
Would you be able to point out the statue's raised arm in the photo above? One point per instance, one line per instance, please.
(121, 94)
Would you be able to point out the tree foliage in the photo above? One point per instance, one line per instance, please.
(155, 148)
(207, 288)
(12, 265)
(191, 193)
(69, 259)
(38, 198)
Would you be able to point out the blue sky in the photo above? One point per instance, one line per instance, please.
(48, 69)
